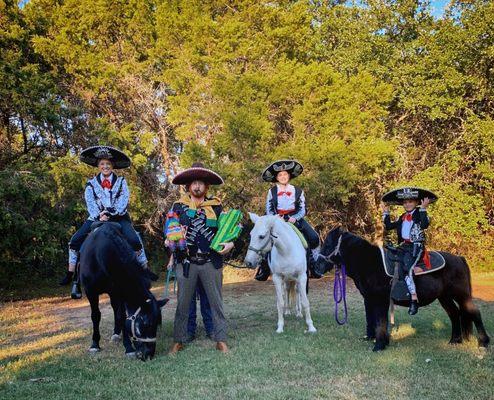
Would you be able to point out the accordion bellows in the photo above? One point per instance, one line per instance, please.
(229, 229)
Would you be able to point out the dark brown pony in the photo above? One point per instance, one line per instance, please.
(450, 285)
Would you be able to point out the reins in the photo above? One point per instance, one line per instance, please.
(339, 287)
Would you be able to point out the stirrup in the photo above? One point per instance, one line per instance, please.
(76, 292)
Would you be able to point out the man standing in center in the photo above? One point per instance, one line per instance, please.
(198, 214)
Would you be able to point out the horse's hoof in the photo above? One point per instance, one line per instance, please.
(130, 354)
(115, 338)
(299, 315)
(279, 330)
(368, 338)
(455, 341)
(378, 347)
(311, 330)
(94, 350)
(483, 344)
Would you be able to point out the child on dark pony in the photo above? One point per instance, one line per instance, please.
(410, 228)
(107, 198)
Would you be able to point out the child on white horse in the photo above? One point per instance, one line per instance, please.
(288, 202)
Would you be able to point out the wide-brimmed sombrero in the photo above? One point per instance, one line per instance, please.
(397, 196)
(93, 154)
(293, 167)
(197, 173)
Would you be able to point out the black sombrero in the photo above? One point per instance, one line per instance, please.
(197, 173)
(293, 167)
(397, 196)
(93, 154)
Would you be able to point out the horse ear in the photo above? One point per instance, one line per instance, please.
(162, 302)
(253, 217)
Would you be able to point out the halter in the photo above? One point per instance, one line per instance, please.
(134, 337)
(261, 252)
(335, 252)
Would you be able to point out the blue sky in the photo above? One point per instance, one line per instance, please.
(438, 7)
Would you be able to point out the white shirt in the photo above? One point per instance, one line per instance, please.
(406, 227)
(286, 201)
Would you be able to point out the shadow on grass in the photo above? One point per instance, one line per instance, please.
(333, 363)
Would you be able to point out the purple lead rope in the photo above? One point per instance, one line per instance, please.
(339, 293)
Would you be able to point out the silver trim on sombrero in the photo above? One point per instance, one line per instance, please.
(103, 151)
(408, 193)
(286, 165)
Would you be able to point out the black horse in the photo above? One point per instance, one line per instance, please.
(364, 265)
(108, 265)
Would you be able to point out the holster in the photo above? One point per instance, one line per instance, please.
(186, 267)
(417, 248)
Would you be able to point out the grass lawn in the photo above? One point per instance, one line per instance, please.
(44, 343)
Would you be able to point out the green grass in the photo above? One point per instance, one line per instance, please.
(47, 340)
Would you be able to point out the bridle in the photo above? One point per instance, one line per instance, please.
(132, 318)
(262, 252)
(335, 252)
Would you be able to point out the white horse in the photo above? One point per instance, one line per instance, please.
(288, 262)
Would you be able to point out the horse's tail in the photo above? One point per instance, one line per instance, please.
(291, 292)
(465, 316)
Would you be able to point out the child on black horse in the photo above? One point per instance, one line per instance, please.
(410, 228)
(107, 198)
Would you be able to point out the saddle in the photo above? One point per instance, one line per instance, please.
(391, 258)
(97, 224)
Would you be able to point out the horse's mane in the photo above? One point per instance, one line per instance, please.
(353, 240)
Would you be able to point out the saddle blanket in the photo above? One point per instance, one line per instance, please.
(389, 258)
(299, 234)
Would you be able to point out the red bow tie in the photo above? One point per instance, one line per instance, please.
(407, 217)
(106, 184)
(287, 193)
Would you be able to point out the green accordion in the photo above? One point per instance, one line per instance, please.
(229, 229)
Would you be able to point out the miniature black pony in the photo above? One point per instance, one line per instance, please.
(450, 285)
(108, 264)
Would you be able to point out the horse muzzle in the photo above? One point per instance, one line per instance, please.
(322, 266)
(252, 259)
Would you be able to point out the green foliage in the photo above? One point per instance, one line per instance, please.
(33, 230)
(366, 97)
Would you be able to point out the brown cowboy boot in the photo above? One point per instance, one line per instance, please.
(176, 348)
(221, 346)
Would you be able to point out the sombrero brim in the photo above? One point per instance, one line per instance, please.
(92, 155)
(293, 167)
(197, 174)
(393, 196)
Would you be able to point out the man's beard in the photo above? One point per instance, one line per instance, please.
(198, 193)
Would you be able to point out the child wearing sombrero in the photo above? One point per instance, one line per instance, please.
(107, 199)
(410, 228)
(288, 202)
